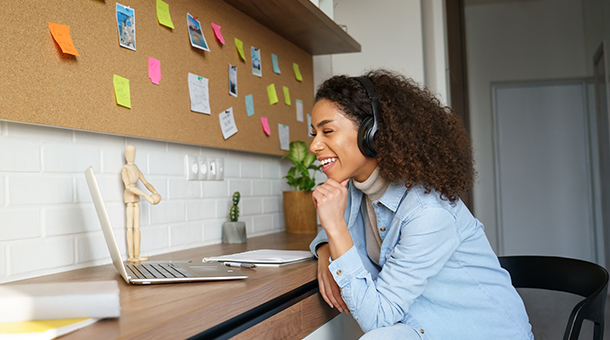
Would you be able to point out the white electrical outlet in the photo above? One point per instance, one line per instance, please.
(212, 169)
(220, 169)
(192, 168)
(203, 168)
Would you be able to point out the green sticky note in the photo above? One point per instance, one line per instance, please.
(163, 15)
(121, 91)
(287, 96)
(297, 71)
(240, 48)
(272, 94)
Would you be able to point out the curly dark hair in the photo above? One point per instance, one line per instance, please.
(418, 141)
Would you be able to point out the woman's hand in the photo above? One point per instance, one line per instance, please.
(330, 291)
(330, 199)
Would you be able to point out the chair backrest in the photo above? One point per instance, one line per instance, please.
(583, 278)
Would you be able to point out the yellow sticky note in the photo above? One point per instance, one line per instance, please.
(121, 91)
(297, 71)
(272, 94)
(240, 48)
(163, 15)
(61, 34)
(287, 96)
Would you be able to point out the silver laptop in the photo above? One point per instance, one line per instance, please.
(152, 272)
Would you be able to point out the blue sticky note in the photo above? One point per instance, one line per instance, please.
(276, 66)
(250, 105)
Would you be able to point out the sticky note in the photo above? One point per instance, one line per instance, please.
(121, 91)
(299, 110)
(240, 48)
(218, 34)
(287, 96)
(265, 124)
(272, 94)
(250, 105)
(61, 34)
(276, 66)
(154, 70)
(163, 15)
(227, 123)
(297, 71)
(284, 134)
(309, 128)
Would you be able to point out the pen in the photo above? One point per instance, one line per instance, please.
(242, 265)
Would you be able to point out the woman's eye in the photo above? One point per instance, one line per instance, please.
(312, 134)
(328, 131)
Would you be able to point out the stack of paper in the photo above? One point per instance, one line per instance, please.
(49, 310)
(68, 300)
(264, 257)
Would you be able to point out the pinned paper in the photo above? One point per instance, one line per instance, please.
(309, 127)
(61, 34)
(250, 105)
(299, 110)
(276, 66)
(154, 70)
(272, 94)
(163, 15)
(126, 25)
(266, 128)
(284, 134)
(240, 48)
(287, 96)
(255, 54)
(195, 33)
(219, 36)
(297, 71)
(121, 91)
(233, 80)
(199, 93)
(227, 123)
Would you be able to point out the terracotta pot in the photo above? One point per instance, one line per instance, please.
(299, 212)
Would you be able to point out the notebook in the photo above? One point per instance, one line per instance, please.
(152, 272)
(263, 257)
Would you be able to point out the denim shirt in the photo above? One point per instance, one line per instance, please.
(438, 273)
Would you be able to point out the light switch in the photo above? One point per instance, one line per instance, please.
(220, 169)
(203, 168)
(192, 168)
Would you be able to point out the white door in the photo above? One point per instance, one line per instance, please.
(543, 191)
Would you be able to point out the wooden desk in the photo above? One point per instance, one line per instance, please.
(273, 303)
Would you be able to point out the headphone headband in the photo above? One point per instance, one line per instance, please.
(368, 127)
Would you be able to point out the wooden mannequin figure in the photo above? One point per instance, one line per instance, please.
(130, 175)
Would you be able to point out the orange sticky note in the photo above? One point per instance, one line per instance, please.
(61, 34)
(266, 128)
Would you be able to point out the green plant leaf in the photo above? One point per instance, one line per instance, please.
(309, 159)
(298, 150)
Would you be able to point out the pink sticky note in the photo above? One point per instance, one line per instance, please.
(216, 29)
(154, 70)
(266, 126)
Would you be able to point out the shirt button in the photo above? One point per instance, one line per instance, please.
(379, 203)
(382, 228)
(339, 272)
(421, 331)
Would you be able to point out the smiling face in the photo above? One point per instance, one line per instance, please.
(335, 144)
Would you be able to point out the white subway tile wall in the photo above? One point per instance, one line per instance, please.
(47, 220)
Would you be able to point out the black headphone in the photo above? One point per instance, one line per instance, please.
(368, 127)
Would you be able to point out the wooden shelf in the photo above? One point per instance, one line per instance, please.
(300, 22)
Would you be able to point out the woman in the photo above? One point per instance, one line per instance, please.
(400, 251)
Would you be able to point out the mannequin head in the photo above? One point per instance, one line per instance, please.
(130, 153)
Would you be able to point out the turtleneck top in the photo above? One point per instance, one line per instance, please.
(373, 188)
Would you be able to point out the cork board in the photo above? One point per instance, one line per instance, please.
(42, 85)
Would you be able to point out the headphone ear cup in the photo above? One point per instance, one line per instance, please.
(365, 139)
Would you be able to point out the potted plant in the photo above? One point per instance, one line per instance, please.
(299, 210)
(234, 231)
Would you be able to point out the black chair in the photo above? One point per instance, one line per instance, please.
(567, 275)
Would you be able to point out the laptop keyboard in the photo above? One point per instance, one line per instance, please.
(156, 270)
